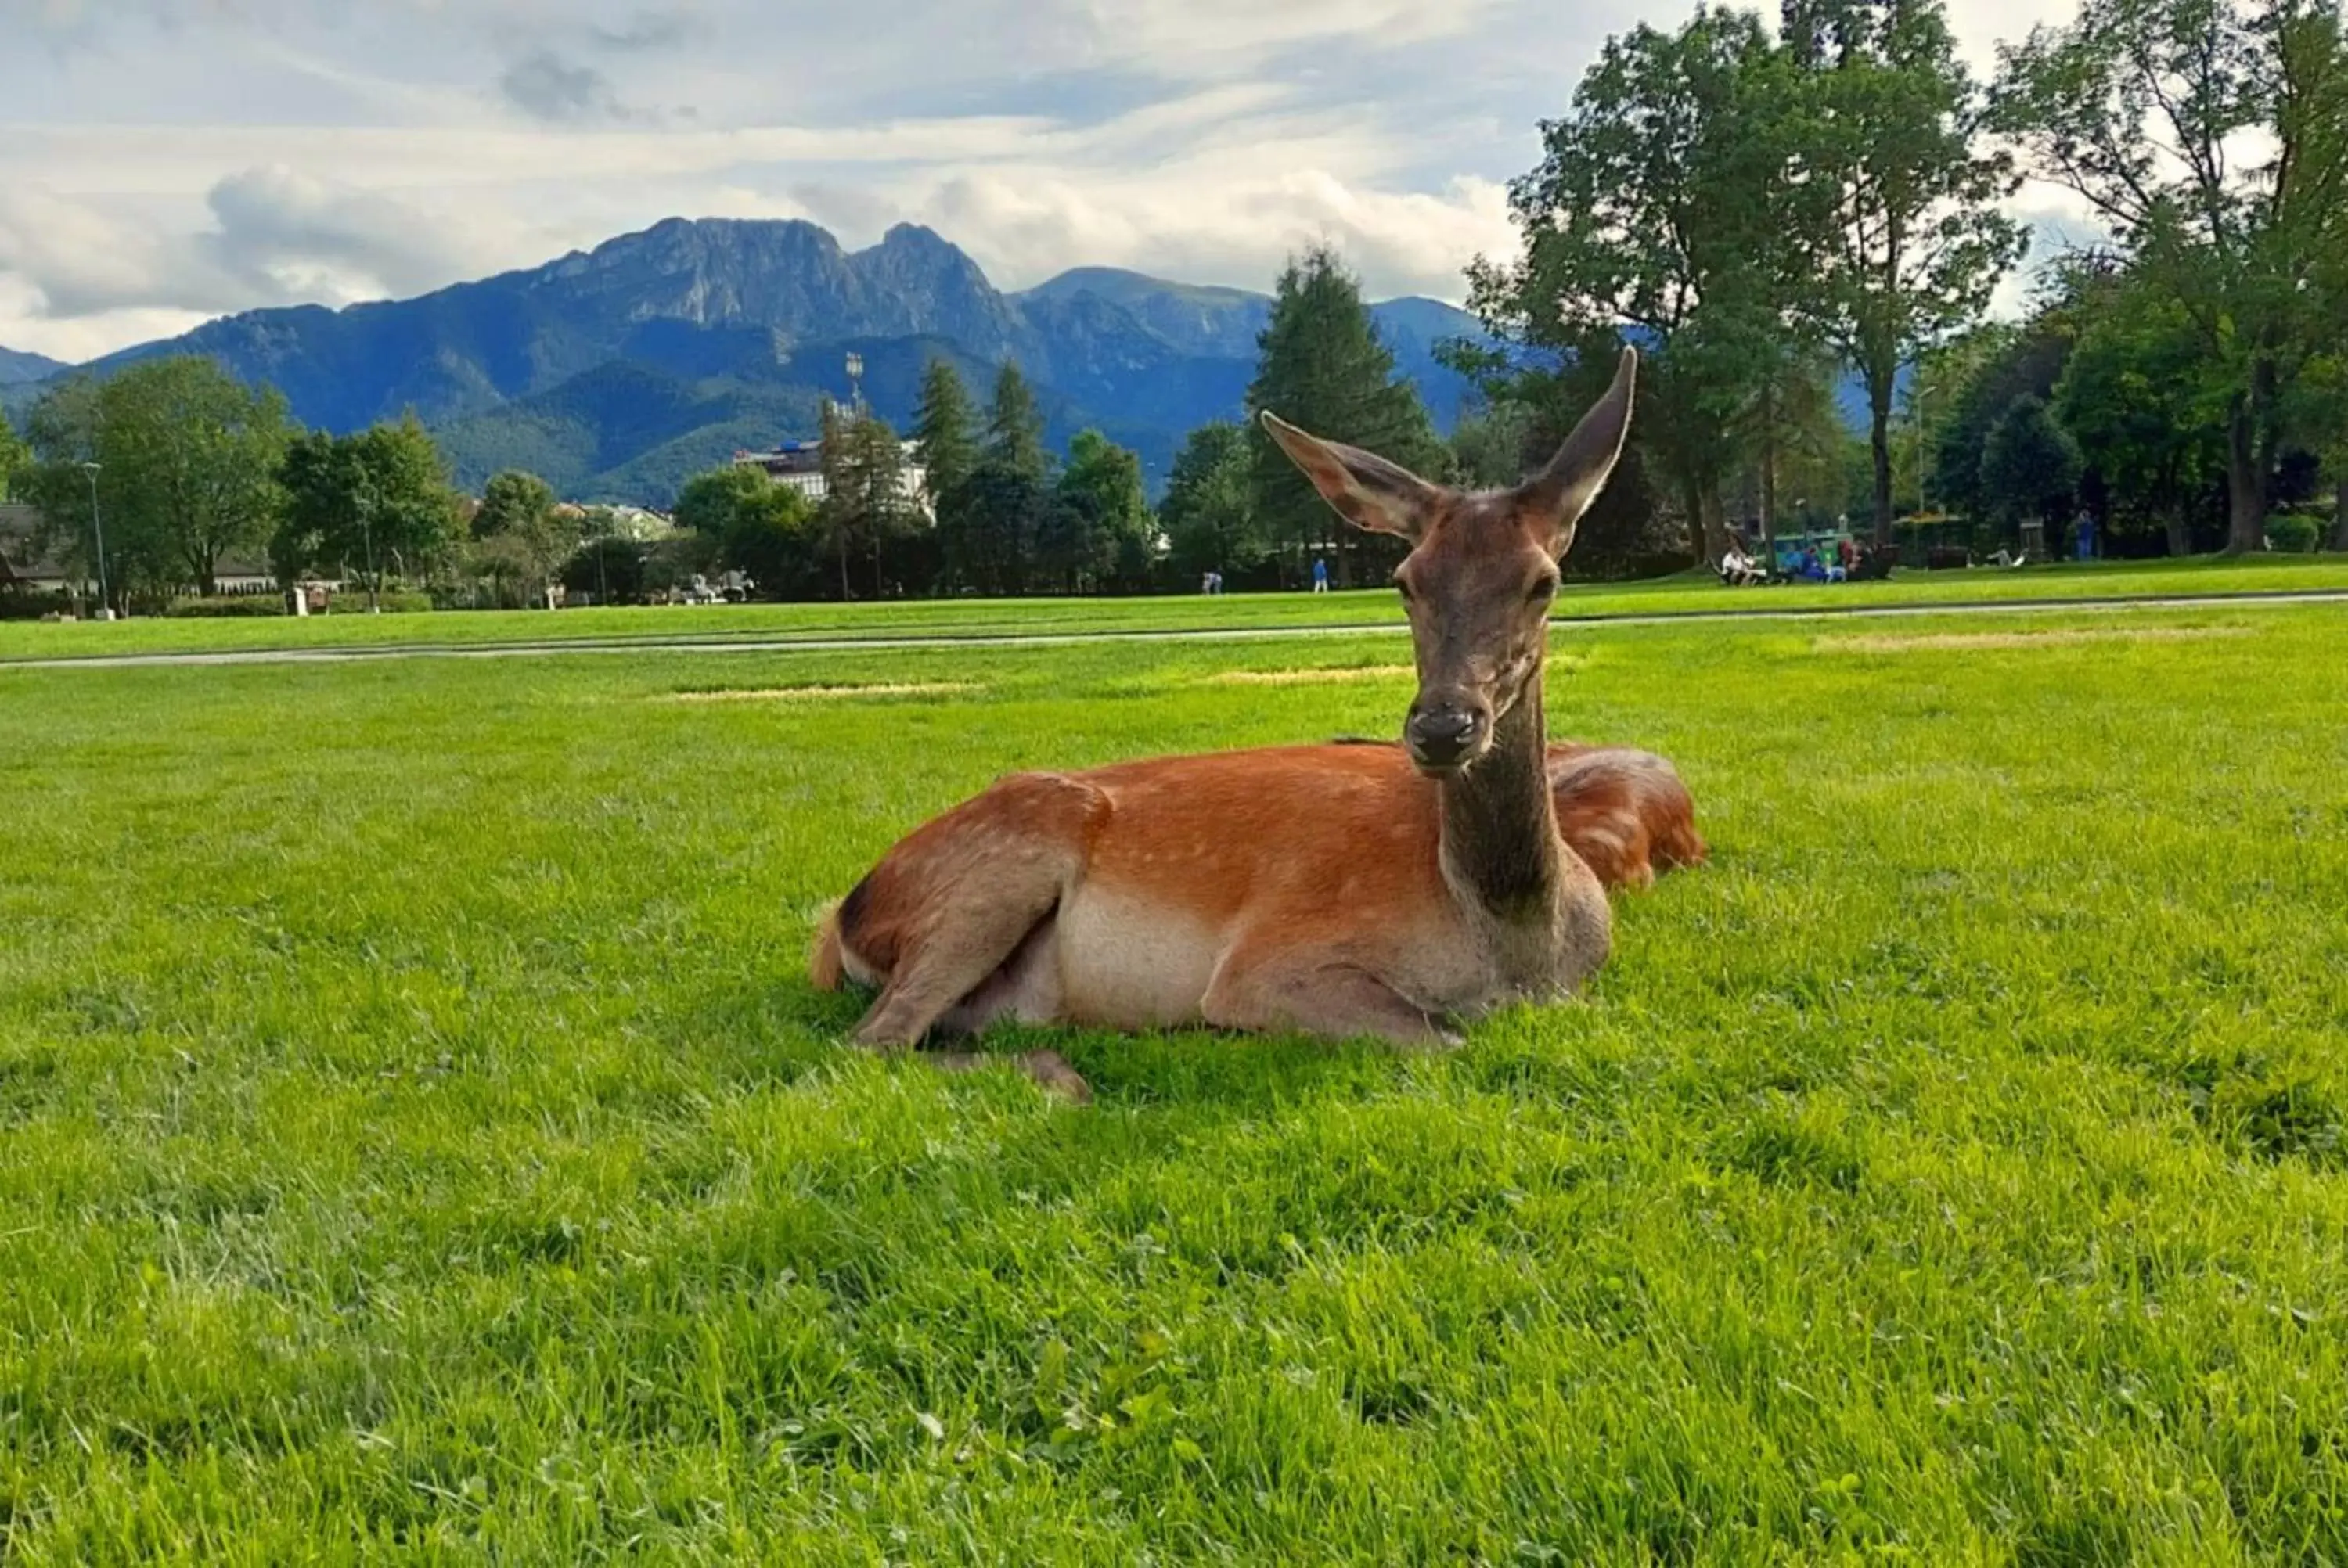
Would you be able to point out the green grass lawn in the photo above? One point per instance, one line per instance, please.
(983, 618)
(418, 1138)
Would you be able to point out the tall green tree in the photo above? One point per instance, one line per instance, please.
(992, 534)
(189, 458)
(520, 535)
(1208, 513)
(770, 532)
(866, 501)
(1321, 366)
(1663, 207)
(777, 542)
(944, 437)
(1900, 192)
(2207, 136)
(1014, 428)
(2030, 467)
(945, 443)
(411, 507)
(1972, 380)
(2136, 396)
(376, 500)
(712, 502)
(15, 455)
(1112, 538)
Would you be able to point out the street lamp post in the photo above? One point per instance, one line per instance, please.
(856, 381)
(366, 533)
(99, 529)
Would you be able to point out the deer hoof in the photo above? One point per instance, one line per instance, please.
(1051, 1069)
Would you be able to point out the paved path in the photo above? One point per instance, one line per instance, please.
(785, 643)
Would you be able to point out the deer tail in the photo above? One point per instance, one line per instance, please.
(824, 966)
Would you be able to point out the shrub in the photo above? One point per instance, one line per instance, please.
(24, 604)
(226, 606)
(2294, 533)
(404, 601)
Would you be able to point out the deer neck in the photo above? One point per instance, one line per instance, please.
(1500, 846)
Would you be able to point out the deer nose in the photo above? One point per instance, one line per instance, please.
(1440, 737)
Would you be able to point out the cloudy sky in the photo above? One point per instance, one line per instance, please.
(165, 160)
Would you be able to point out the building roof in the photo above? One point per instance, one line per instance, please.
(20, 524)
(18, 562)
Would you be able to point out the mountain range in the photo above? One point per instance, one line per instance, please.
(19, 369)
(618, 373)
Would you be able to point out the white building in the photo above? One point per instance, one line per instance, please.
(799, 465)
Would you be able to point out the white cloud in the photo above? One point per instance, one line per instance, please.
(177, 156)
(82, 259)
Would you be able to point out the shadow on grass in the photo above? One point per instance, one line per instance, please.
(785, 1030)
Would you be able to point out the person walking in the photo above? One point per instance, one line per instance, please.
(1319, 575)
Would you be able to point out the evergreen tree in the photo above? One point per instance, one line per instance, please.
(945, 443)
(944, 438)
(1014, 428)
(1322, 367)
(837, 517)
(865, 504)
(1008, 503)
(1210, 518)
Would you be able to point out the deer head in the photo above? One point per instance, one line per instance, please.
(1482, 568)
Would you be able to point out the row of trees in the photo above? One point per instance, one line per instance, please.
(1773, 216)
(1763, 213)
(994, 513)
(183, 471)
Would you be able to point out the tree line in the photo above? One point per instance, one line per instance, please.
(1764, 211)
(1779, 218)
(182, 470)
(1005, 517)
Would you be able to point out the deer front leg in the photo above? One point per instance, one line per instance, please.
(1315, 991)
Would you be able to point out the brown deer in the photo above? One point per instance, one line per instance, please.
(1339, 890)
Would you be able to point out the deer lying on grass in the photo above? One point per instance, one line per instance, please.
(1340, 890)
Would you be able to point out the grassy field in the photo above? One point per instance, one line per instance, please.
(985, 617)
(417, 1140)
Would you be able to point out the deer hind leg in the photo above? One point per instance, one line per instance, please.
(1625, 813)
(1315, 990)
(1049, 1068)
(944, 921)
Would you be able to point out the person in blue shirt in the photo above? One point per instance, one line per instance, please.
(1319, 575)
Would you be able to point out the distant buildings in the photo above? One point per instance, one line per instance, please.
(22, 566)
(799, 465)
(25, 569)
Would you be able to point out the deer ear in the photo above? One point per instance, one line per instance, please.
(1558, 495)
(1366, 490)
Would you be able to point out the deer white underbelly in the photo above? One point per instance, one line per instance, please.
(1128, 963)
